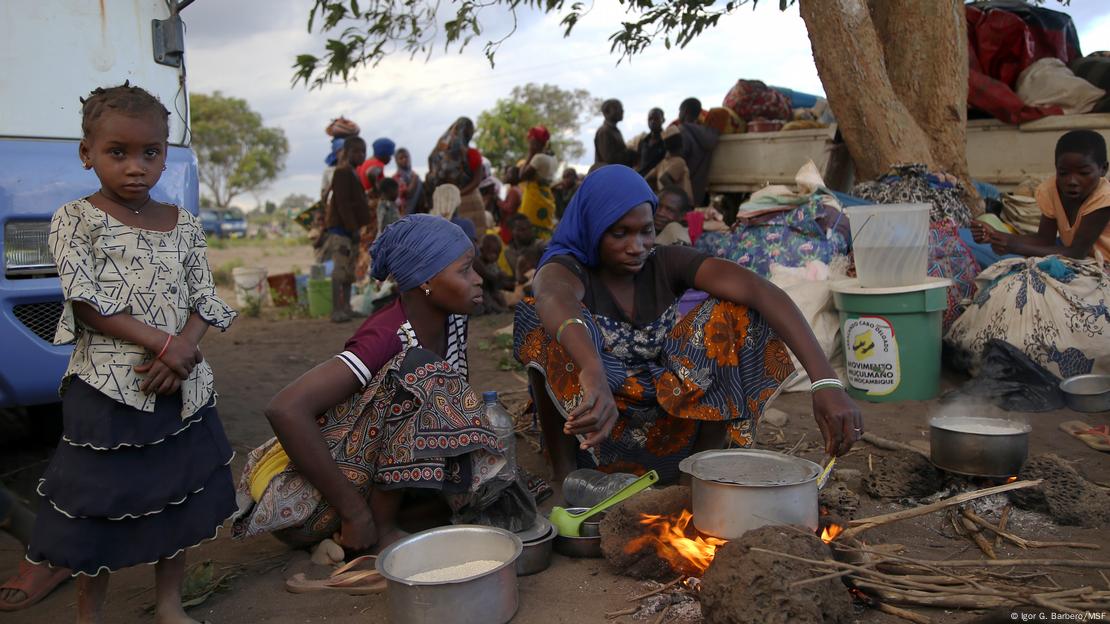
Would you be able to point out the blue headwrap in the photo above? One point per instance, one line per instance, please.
(383, 147)
(416, 248)
(604, 197)
(332, 159)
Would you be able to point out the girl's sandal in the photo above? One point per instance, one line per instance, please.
(347, 579)
(1097, 437)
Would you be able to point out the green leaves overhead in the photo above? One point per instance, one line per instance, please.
(362, 33)
(501, 130)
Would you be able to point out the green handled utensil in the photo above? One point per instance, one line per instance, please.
(569, 524)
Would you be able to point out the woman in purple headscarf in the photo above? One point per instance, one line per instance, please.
(397, 411)
(622, 381)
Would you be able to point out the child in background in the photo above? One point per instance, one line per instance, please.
(141, 473)
(345, 217)
(494, 280)
(672, 170)
(387, 205)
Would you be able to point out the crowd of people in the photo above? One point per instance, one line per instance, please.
(463, 186)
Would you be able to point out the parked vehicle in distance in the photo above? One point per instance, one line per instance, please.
(90, 46)
(223, 223)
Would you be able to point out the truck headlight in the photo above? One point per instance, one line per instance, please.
(26, 248)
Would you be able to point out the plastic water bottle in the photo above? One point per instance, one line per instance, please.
(586, 487)
(502, 423)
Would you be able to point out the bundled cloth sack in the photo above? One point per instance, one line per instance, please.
(753, 99)
(1049, 82)
(914, 183)
(1053, 309)
(808, 288)
(780, 225)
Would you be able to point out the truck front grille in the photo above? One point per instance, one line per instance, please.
(40, 318)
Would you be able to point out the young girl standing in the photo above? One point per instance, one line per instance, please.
(141, 472)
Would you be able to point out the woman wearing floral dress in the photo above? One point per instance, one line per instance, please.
(622, 381)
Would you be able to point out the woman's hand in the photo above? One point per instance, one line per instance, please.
(181, 356)
(159, 378)
(980, 232)
(358, 532)
(597, 413)
(838, 417)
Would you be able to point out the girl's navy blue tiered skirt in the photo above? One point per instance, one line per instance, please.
(127, 487)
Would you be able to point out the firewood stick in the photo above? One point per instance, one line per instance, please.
(612, 615)
(1021, 541)
(902, 613)
(998, 599)
(941, 601)
(988, 563)
(662, 615)
(977, 536)
(890, 445)
(864, 524)
(657, 591)
(1003, 518)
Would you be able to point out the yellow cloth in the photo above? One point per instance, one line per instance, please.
(996, 223)
(272, 463)
(538, 204)
(1048, 200)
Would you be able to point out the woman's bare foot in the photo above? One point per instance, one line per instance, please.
(388, 537)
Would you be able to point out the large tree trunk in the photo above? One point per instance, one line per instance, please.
(925, 51)
(877, 127)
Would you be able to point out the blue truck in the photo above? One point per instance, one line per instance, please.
(55, 52)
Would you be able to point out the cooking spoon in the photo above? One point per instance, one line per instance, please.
(569, 525)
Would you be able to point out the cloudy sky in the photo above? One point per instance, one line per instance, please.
(246, 48)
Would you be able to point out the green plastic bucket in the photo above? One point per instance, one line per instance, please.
(319, 297)
(892, 338)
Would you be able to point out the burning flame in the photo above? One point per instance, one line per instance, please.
(668, 535)
(830, 532)
(1011, 479)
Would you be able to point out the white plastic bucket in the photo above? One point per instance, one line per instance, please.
(250, 285)
(891, 244)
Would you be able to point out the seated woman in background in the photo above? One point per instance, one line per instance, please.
(392, 411)
(1051, 300)
(612, 363)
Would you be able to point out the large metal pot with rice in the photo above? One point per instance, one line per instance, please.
(978, 446)
(736, 490)
(463, 574)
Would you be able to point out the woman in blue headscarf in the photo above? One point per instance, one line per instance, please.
(622, 382)
(397, 411)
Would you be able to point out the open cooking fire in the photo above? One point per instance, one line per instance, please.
(680, 545)
(669, 535)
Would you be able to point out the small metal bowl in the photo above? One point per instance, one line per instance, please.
(536, 556)
(1087, 393)
(580, 547)
(588, 544)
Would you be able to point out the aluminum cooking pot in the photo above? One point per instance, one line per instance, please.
(737, 490)
(977, 446)
(488, 598)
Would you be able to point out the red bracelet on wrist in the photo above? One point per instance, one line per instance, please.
(169, 339)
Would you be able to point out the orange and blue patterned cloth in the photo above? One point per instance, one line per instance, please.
(720, 362)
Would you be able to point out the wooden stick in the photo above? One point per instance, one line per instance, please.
(1021, 541)
(902, 613)
(663, 614)
(612, 615)
(990, 563)
(657, 591)
(977, 535)
(864, 524)
(890, 445)
(1002, 520)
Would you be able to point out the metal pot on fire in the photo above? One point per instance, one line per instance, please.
(736, 490)
(977, 446)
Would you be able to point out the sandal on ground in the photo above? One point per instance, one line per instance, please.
(539, 488)
(35, 581)
(347, 579)
(1096, 437)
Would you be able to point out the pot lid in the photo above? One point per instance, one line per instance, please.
(537, 531)
(980, 425)
(749, 467)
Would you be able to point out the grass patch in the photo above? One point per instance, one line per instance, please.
(221, 275)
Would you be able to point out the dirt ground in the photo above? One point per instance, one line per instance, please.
(258, 356)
